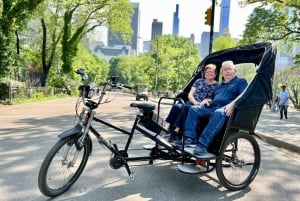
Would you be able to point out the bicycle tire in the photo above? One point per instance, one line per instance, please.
(239, 161)
(59, 171)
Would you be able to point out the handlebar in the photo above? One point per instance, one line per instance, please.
(87, 89)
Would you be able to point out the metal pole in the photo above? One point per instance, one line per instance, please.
(211, 35)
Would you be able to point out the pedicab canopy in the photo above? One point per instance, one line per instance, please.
(259, 90)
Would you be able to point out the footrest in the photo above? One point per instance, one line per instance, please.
(207, 156)
(155, 137)
(189, 169)
(148, 146)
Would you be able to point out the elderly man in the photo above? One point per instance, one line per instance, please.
(218, 109)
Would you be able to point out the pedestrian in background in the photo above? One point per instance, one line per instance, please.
(283, 101)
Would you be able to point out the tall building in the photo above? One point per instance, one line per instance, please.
(204, 46)
(223, 29)
(224, 17)
(176, 21)
(156, 29)
(116, 39)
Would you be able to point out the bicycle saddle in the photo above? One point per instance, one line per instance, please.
(143, 106)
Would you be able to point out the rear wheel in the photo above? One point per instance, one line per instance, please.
(239, 161)
(63, 165)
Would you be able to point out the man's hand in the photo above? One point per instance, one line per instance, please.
(229, 108)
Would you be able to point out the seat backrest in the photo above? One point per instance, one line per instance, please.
(245, 118)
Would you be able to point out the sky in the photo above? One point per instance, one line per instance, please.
(191, 17)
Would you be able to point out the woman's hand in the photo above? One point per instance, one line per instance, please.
(206, 102)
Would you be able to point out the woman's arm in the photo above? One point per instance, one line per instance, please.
(191, 96)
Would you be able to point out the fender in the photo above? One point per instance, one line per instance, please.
(76, 130)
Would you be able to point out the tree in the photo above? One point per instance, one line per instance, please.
(289, 3)
(52, 33)
(223, 42)
(14, 13)
(290, 77)
(273, 23)
(83, 16)
(167, 67)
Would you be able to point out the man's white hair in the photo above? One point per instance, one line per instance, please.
(228, 62)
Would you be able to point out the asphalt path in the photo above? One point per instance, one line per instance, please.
(28, 131)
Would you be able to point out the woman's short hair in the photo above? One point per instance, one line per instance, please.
(210, 66)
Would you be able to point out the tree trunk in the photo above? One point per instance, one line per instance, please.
(44, 51)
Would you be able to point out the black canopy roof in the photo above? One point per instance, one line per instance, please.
(259, 90)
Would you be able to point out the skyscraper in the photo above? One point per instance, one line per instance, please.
(115, 39)
(176, 21)
(156, 29)
(224, 17)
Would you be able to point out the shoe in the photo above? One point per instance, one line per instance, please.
(166, 135)
(172, 136)
(188, 142)
(286, 117)
(200, 150)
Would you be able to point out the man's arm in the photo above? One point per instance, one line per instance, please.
(230, 106)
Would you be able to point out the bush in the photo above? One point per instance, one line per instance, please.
(5, 84)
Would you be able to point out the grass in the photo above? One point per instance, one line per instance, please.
(35, 98)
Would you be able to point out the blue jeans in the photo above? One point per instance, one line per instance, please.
(283, 110)
(217, 119)
(177, 115)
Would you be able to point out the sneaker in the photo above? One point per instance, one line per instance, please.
(173, 136)
(200, 150)
(188, 142)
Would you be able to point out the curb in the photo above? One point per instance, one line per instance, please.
(279, 143)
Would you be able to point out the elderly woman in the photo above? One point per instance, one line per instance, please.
(201, 89)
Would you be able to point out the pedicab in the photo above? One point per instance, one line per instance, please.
(234, 153)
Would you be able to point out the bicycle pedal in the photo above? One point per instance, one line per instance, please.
(132, 177)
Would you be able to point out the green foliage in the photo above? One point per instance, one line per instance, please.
(246, 71)
(95, 67)
(37, 96)
(5, 84)
(223, 42)
(166, 68)
(14, 14)
(289, 3)
(114, 14)
(278, 22)
(291, 78)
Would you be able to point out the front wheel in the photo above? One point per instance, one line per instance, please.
(63, 165)
(239, 161)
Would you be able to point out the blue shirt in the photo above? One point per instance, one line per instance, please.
(227, 92)
(284, 98)
(204, 90)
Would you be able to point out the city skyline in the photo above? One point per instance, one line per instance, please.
(191, 15)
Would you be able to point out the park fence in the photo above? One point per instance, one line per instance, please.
(29, 92)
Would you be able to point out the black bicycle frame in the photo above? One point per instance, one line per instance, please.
(114, 148)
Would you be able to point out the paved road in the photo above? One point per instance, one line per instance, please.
(28, 131)
(283, 133)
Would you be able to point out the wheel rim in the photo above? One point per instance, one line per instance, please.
(64, 166)
(239, 162)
